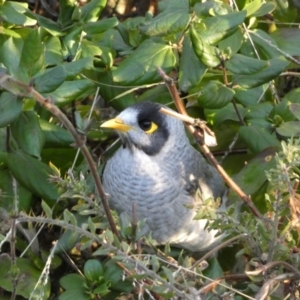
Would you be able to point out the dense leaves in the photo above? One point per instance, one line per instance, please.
(236, 66)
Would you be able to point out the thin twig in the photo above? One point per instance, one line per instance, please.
(199, 138)
(19, 88)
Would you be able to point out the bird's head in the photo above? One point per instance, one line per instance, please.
(144, 127)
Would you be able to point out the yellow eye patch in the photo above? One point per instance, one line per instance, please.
(148, 126)
(152, 128)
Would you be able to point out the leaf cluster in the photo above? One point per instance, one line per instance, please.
(233, 65)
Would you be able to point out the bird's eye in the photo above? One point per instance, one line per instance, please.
(147, 126)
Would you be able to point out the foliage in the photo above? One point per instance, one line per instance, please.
(228, 62)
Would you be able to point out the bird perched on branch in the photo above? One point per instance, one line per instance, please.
(157, 169)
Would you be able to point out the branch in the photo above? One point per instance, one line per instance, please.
(21, 89)
(199, 139)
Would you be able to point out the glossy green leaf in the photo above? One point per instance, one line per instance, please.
(276, 66)
(257, 138)
(265, 8)
(55, 136)
(53, 51)
(227, 113)
(282, 110)
(265, 45)
(259, 110)
(241, 64)
(100, 26)
(218, 27)
(28, 276)
(253, 175)
(141, 67)
(250, 96)
(8, 196)
(93, 270)
(50, 80)
(10, 53)
(209, 8)
(232, 42)
(75, 287)
(252, 7)
(191, 69)
(288, 40)
(91, 10)
(69, 91)
(78, 66)
(215, 95)
(66, 9)
(28, 134)
(52, 27)
(207, 54)
(295, 110)
(32, 56)
(13, 13)
(173, 19)
(289, 129)
(10, 108)
(32, 174)
(285, 11)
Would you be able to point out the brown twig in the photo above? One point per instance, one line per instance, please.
(199, 138)
(19, 88)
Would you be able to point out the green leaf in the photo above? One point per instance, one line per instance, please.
(55, 136)
(100, 26)
(47, 210)
(215, 95)
(28, 134)
(28, 276)
(32, 56)
(13, 13)
(207, 54)
(264, 45)
(8, 193)
(288, 129)
(232, 42)
(93, 270)
(50, 80)
(219, 116)
(259, 110)
(74, 284)
(10, 54)
(295, 110)
(287, 40)
(32, 174)
(214, 29)
(265, 8)
(10, 108)
(69, 91)
(53, 51)
(141, 67)
(257, 138)
(252, 177)
(173, 19)
(66, 9)
(76, 67)
(241, 64)
(191, 69)
(249, 96)
(92, 10)
(52, 27)
(252, 7)
(276, 66)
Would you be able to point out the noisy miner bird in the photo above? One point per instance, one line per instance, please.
(160, 171)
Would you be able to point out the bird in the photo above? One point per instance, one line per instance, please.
(158, 169)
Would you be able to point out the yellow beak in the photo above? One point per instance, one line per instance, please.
(116, 124)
